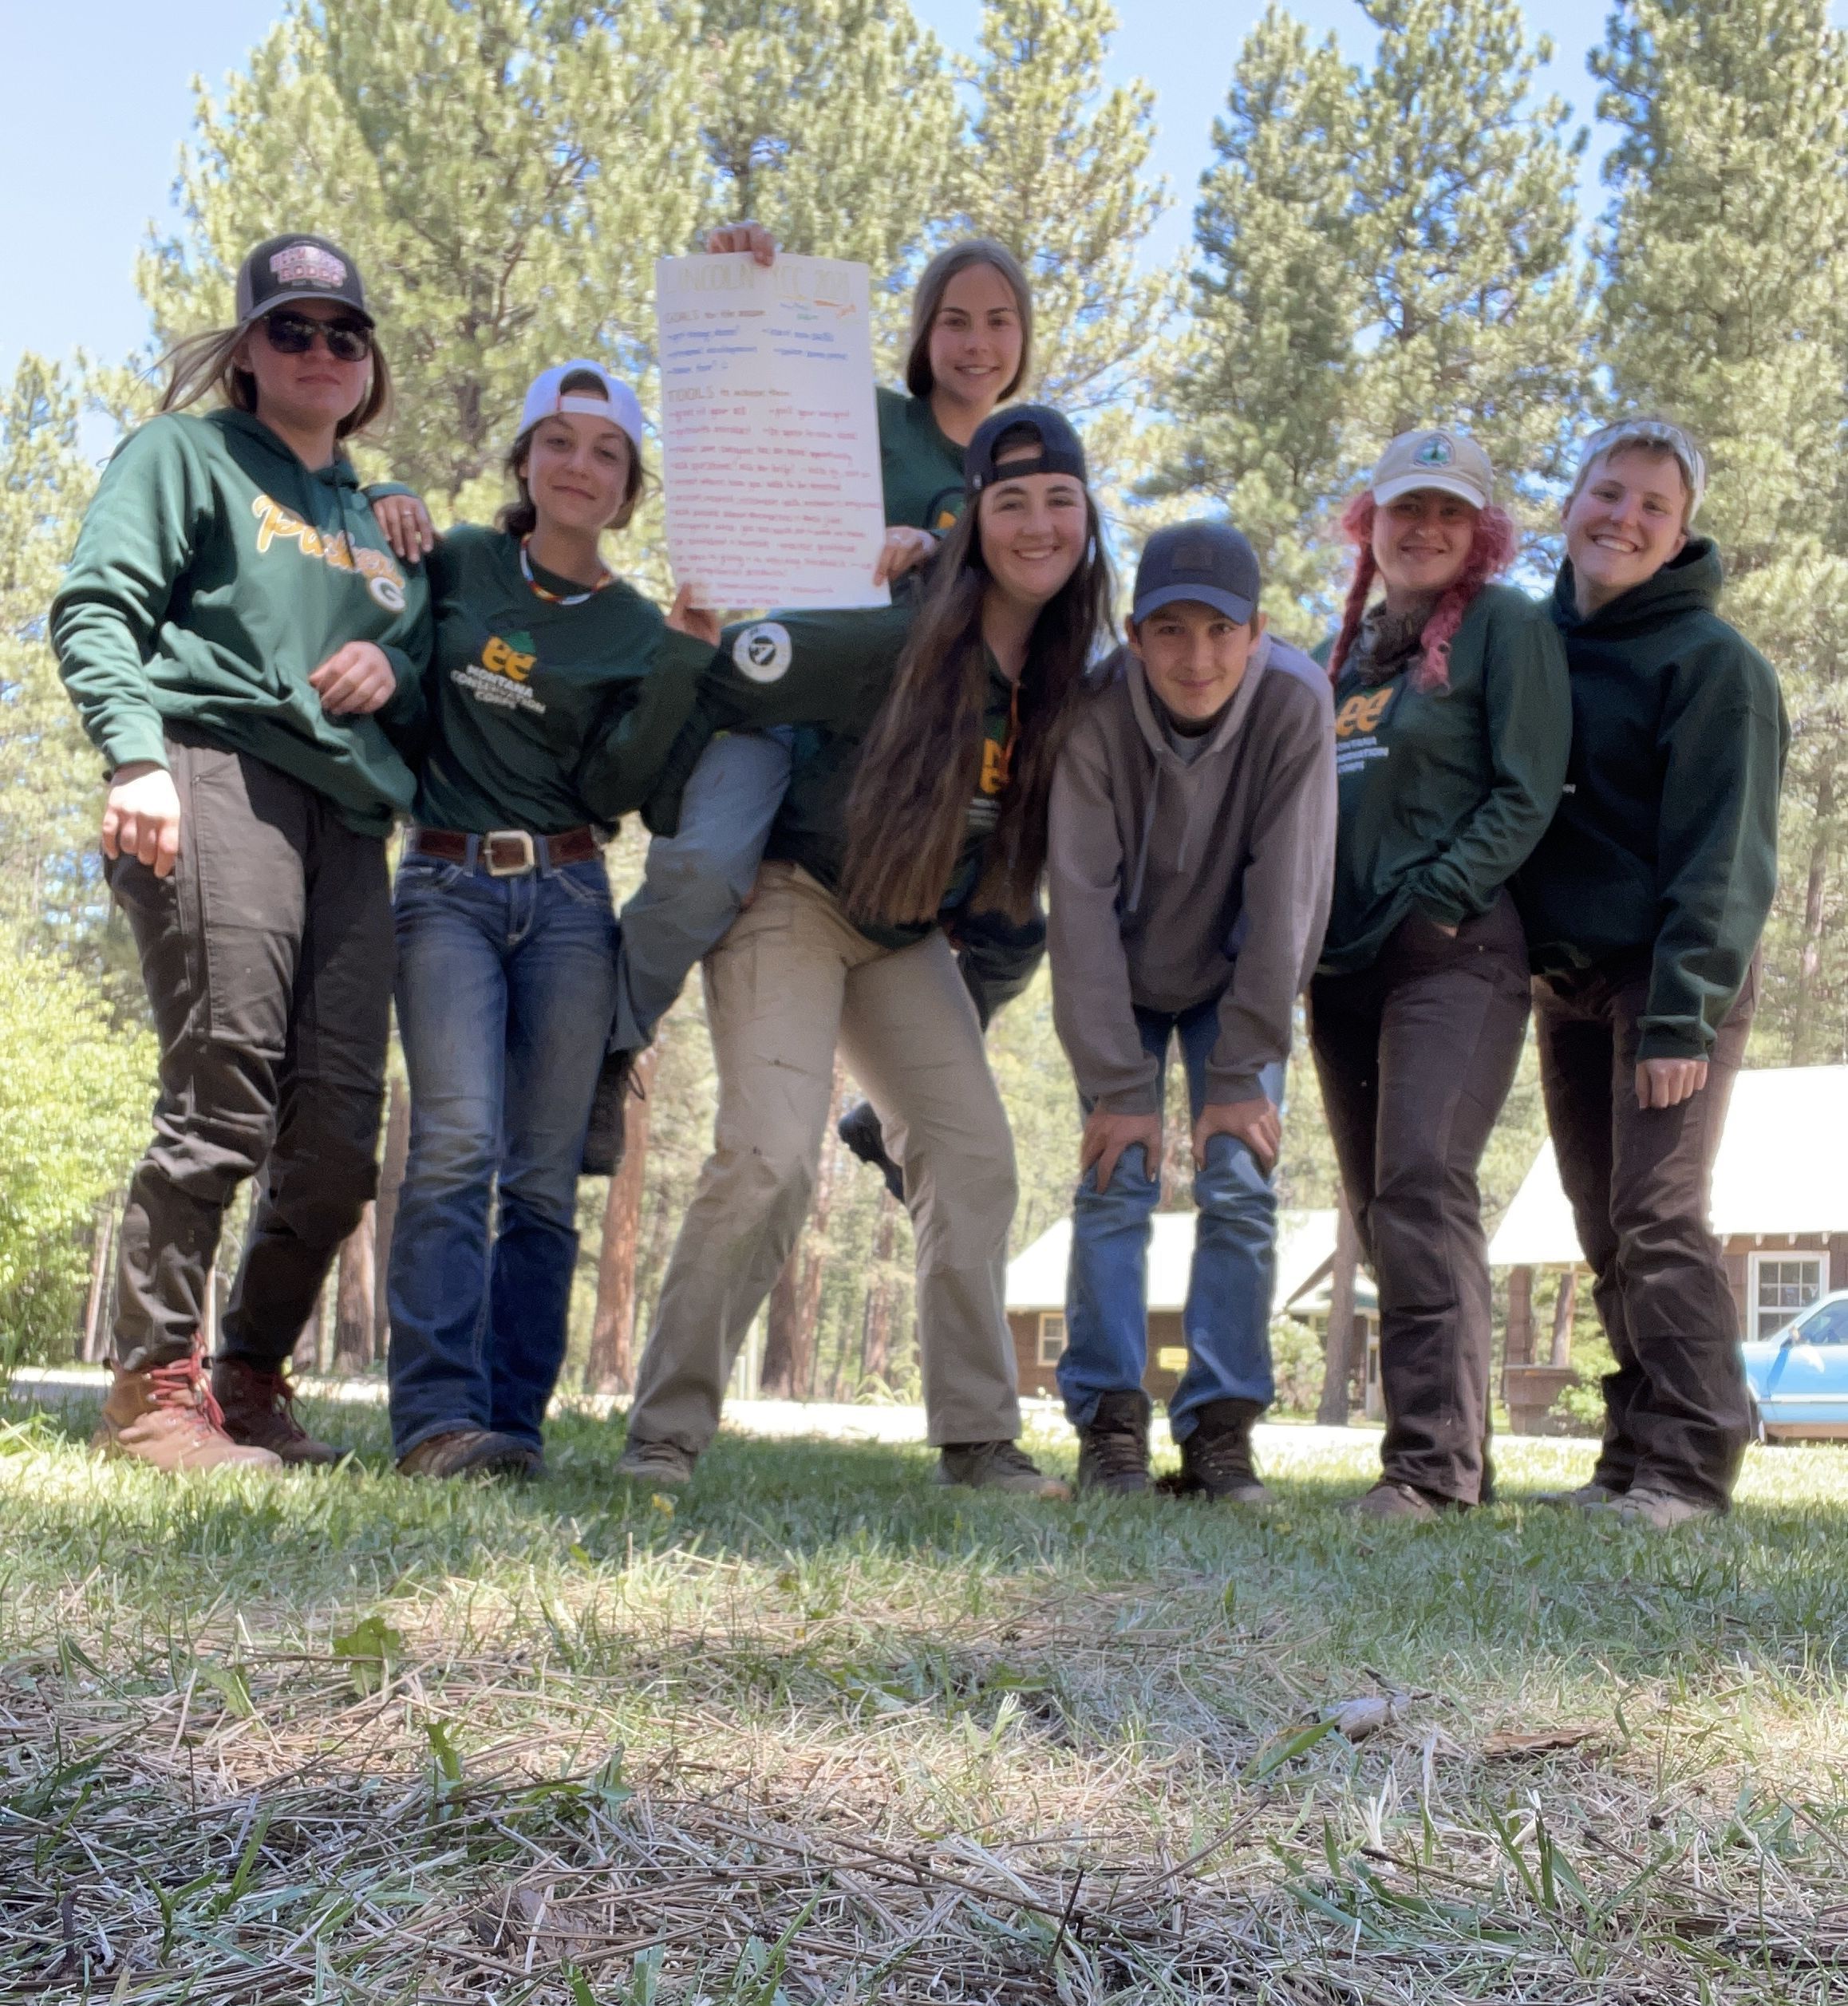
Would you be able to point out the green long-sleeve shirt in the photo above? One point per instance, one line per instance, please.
(1665, 843)
(543, 715)
(1443, 793)
(920, 466)
(828, 674)
(213, 574)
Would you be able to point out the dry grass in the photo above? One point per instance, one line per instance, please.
(819, 1732)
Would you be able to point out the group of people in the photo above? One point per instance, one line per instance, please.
(1467, 806)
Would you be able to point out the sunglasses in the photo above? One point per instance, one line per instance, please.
(294, 334)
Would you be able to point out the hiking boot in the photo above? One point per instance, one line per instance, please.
(1390, 1499)
(995, 1466)
(859, 1129)
(664, 1464)
(465, 1451)
(1585, 1498)
(1216, 1459)
(605, 1139)
(1113, 1445)
(165, 1415)
(1646, 1504)
(258, 1406)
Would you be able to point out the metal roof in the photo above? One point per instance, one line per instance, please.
(1305, 1245)
(1782, 1168)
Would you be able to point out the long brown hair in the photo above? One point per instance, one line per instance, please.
(203, 364)
(927, 301)
(922, 762)
(520, 518)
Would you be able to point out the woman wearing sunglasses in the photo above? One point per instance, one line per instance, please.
(247, 654)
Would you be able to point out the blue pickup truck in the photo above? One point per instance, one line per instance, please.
(1799, 1377)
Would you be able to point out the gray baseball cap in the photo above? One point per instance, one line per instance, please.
(1208, 562)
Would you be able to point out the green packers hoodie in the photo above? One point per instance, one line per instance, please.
(213, 574)
(1665, 844)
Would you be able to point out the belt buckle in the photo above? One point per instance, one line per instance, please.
(529, 860)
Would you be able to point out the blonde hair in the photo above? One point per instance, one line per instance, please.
(927, 301)
(203, 364)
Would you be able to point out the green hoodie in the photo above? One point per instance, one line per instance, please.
(922, 466)
(523, 688)
(214, 574)
(1444, 792)
(1666, 843)
(828, 673)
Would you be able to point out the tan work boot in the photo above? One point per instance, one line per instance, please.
(259, 1408)
(995, 1466)
(165, 1415)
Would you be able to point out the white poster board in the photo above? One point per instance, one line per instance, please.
(770, 433)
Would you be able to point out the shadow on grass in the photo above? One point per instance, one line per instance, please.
(1521, 1588)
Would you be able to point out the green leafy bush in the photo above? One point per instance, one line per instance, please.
(74, 1095)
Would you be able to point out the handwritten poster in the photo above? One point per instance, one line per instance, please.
(770, 433)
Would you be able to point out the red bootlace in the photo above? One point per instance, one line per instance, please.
(183, 1383)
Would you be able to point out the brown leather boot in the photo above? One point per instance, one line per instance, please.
(165, 1415)
(259, 1412)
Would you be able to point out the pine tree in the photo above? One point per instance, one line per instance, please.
(505, 174)
(1725, 256)
(1378, 249)
(1052, 166)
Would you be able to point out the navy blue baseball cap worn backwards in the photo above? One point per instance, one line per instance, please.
(1210, 563)
(1052, 446)
(283, 270)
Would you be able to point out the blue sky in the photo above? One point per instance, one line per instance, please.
(99, 100)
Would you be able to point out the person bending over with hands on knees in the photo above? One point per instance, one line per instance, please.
(1451, 725)
(1644, 904)
(1191, 836)
(246, 653)
(919, 788)
(506, 935)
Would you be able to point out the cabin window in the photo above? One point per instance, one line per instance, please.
(1782, 1286)
(1052, 1337)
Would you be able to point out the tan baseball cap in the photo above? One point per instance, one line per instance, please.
(1451, 462)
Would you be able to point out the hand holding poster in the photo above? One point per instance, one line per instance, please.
(770, 432)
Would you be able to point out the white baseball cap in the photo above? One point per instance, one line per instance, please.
(1451, 462)
(545, 398)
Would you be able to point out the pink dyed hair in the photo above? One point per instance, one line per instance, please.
(1491, 550)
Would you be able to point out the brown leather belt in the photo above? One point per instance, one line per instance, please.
(506, 853)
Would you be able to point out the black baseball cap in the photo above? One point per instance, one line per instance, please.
(1060, 451)
(1209, 561)
(283, 269)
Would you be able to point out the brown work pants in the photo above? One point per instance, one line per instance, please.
(1415, 1055)
(1639, 1181)
(267, 958)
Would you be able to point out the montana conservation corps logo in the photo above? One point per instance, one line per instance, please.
(307, 265)
(764, 652)
(1435, 451)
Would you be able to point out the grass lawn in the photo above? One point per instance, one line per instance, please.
(816, 1731)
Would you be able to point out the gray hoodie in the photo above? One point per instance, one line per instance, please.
(1173, 881)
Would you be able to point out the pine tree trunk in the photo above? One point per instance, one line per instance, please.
(1331, 1410)
(391, 1180)
(356, 1298)
(1565, 1306)
(876, 1338)
(785, 1366)
(610, 1366)
(1810, 957)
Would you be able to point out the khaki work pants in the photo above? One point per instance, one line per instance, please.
(790, 981)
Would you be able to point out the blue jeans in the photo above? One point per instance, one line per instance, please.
(1227, 1319)
(506, 988)
(696, 881)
